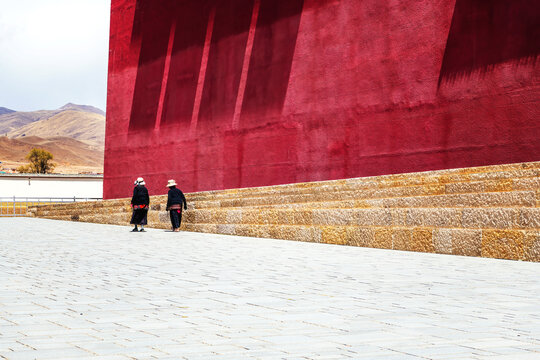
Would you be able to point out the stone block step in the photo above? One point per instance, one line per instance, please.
(508, 244)
(467, 218)
(501, 199)
(336, 192)
(530, 184)
(524, 199)
(492, 211)
(526, 179)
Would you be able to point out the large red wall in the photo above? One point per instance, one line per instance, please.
(239, 93)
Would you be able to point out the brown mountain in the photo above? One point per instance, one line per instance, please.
(69, 154)
(74, 134)
(4, 110)
(14, 120)
(84, 126)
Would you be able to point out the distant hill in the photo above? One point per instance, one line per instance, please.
(79, 125)
(74, 134)
(84, 108)
(17, 119)
(4, 110)
(66, 151)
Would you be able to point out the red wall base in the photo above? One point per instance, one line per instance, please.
(240, 93)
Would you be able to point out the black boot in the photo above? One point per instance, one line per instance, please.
(135, 229)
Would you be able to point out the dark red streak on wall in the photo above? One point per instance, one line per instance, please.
(226, 94)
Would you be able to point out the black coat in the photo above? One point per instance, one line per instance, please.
(140, 196)
(176, 197)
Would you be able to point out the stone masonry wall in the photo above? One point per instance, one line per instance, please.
(491, 211)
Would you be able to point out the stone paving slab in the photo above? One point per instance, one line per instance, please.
(88, 291)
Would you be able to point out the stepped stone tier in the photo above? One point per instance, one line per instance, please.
(223, 94)
(491, 211)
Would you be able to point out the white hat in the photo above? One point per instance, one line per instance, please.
(171, 183)
(140, 181)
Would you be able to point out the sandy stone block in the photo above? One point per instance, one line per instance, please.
(188, 216)
(467, 242)
(404, 191)
(216, 216)
(435, 189)
(334, 235)
(233, 216)
(422, 240)
(303, 233)
(302, 217)
(286, 216)
(529, 218)
(401, 239)
(383, 239)
(463, 200)
(503, 244)
(434, 217)
(262, 231)
(459, 178)
(527, 183)
(189, 227)
(333, 216)
(229, 202)
(226, 229)
(153, 217)
(359, 204)
(490, 218)
(269, 216)
(531, 246)
(499, 185)
(415, 217)
(308, 233)
(164, 217)
(250, 216)
(399, 217)
(284, 232)
(245, 230)
(442, 241)
(274, 232)
(203, 228)
(507, 199)
(373, 217)
(357, 236)
(201, 216)
(494, 173)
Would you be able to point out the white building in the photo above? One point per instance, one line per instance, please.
(50, 186)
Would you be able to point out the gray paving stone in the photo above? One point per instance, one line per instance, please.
(89, 291)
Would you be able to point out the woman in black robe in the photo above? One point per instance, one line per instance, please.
(175, 201)
(139, 204)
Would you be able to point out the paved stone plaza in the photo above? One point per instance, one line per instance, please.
(88, 291)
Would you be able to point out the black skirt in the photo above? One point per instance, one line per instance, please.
(139, 217)
(176, 218)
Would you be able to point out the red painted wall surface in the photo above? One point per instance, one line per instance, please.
(239, 93)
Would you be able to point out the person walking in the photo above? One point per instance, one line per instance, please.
(175, 201)
(139, 203)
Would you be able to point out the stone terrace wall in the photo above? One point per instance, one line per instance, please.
(491, 211)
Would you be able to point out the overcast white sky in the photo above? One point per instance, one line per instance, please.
(53, 52)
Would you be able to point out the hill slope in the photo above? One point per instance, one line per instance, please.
(17, 119)
(74, 134)
(75, 124)
(4, 110)
(84, 108)
(68, 153)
